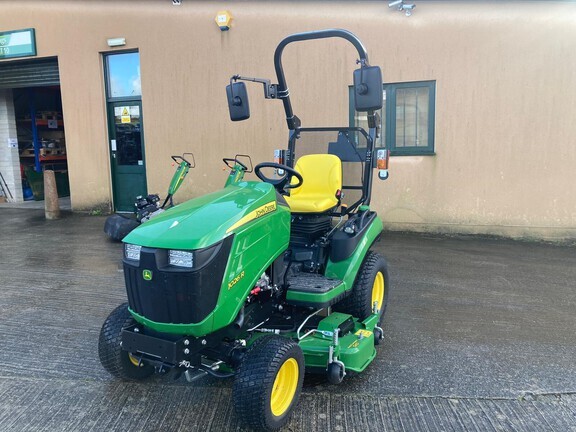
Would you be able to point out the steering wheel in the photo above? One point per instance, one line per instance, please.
(284, 181)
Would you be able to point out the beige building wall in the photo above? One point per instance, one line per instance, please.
(505, 98)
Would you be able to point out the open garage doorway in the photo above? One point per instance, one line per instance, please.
(32, 121)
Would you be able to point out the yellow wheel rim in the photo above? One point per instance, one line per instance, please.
(378, 290)
(133, 360)
(284, 387)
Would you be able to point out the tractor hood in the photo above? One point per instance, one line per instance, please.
(204, 221)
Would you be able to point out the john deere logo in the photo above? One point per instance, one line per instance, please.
(147, 274)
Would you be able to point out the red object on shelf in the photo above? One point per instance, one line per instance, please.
(43, 122)
(52, 157)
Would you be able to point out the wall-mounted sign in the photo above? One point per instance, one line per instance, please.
(127, 114)
(17, 43)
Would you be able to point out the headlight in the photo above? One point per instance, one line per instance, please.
(132, 252)
(180, 258)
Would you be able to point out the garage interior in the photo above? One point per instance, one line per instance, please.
(32, 99)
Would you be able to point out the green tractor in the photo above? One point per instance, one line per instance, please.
(263, 280)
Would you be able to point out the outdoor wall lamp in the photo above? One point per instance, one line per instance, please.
(223, 19)
(402, 7)
(114, 42)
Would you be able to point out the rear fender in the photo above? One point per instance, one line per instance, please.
(347, 269)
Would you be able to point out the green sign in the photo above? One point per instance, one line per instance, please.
(17, 43)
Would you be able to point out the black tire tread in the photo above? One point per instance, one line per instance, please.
(257, 373)
(112, 357)
(357, 303)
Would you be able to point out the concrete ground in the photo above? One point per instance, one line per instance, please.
(64, 204)
(480, 336)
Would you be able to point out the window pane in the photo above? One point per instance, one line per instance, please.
(127, 128)
(412, 117)
(361, 119)
(124, 75)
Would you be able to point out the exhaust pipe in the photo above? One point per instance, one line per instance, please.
(239, 321)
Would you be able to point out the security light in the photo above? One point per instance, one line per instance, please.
(402, 7)
(408, 8)
(114, 42)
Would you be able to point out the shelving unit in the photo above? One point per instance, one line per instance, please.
(55, 153)
(41, 137)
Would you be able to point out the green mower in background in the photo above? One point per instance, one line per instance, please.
(264, 281)
(117, 226)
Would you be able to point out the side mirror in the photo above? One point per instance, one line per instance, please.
(238, 101)
(368, 88)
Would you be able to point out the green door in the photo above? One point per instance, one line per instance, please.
(127, 153)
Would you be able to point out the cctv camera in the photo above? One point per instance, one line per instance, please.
(395, 3)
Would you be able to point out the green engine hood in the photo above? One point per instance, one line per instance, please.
(206, 220)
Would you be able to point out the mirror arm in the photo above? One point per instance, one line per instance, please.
(270, 90)
(371, 119)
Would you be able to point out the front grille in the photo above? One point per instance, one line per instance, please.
(173, 295)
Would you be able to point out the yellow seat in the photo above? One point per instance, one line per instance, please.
(322, 174)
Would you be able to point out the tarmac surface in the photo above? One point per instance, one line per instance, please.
(480, 335)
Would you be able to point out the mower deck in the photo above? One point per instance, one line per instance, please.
(355, 348)
(338, 336)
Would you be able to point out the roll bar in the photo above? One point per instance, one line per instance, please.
(282, 89)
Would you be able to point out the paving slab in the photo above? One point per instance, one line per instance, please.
(480, 335)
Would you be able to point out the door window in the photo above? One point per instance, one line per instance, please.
(124, 75)
(128, 135)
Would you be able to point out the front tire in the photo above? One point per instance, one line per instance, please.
(371, 285)
(119, 363)
(268, 384)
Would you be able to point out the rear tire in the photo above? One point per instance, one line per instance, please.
(372, 283)
(119, 363)
(268, 384)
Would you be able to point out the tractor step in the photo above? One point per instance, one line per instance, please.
(314, 290)
(312, 283)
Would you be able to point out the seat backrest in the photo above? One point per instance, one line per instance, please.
(322, 174)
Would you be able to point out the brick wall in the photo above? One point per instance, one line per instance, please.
(9, 158)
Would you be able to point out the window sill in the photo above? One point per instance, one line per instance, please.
(415, 153)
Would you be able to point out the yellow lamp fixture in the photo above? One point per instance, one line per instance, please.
(223, 19)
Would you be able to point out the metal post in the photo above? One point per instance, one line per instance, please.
(32, 102)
